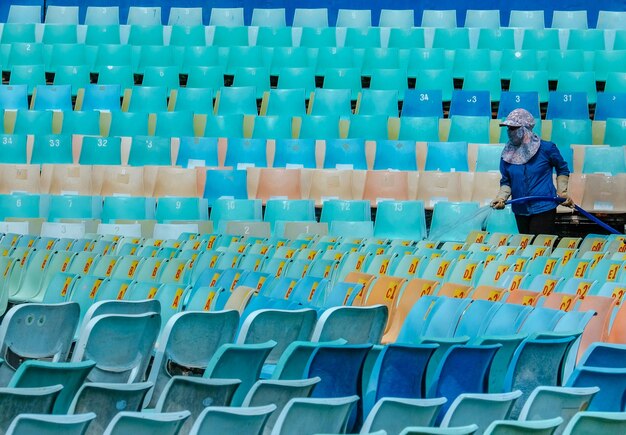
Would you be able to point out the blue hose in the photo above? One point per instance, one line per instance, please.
(557, 199)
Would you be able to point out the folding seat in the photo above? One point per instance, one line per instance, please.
(226, 17)
(492, 407)
(34, 122)
(161, 76)
(406, 38)
(451, 38)
(69, 424)
(18, 33)
(28, 401)
(609, 105)
(440, 79)
(474, 129)
(568, 61)
(537, 426)
(610, 381)
(484, 19)
(339, 80)
(607, 61)
(269, 18)
(592, 421)
(24, 14)
(30, 75)
(610, 20)
(614, 133)
(145, 35)
(470, 103)
(60, 321)
(446, 156)
(129, 123)
(529, 81)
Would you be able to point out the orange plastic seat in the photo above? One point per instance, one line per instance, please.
(453, 290)
(598, 327)
(523, 297)
(561, 301)
(361, 278)
(488, 293)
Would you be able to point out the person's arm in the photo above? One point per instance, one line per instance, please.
(505, 188)
(562, 175)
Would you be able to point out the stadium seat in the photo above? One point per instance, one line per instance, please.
(144, 15)
(407, 38)
(233, 101)
(363, 37)
(609, 106)
(614, 133)
(527, 19)
(294, 152)
(24, 14)
(395, 154)
(36, 122)
(446, 156)
(241, 153)
(340, 153)
(496, 39)
(129, 124)
(117, 75)
(52, 149)
(540, 39)
(225, 183)
(272, 127)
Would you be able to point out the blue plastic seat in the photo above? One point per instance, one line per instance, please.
(102, 97)
(225, 183)
(604, 160)
(294, 153)
(610, 105)
(53, 97)
(246, 152)
(423, 103)
(197, 151)
(612, 385)
(510, 101)
(345, 152)
(470, 103)
(446, 156)
(567, 105)
(14, 97)
(395, 154)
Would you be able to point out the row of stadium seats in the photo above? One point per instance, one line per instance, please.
(261, 17)
(240, 153)
(368, 37)
(600, 192)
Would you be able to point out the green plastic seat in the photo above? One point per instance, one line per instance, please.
(138, 422)
(50, 424)
(591, 422)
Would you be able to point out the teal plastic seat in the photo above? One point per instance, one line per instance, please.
(50, 424)
(97, 34)
(257, 77)
(297, 78)
(53, 97)
(607, 61)
(16, 401)
(568, 61)
(484, 81)
(336, 82)
(272, 127)
(590, 422)
(52, 149)
(127, 361)
(196, 100)
(400, 220)
(100, 151)
(181, 209)
(139, 422)
(568, 132)
(15, 148)
(24, 14)
(546, 427)
(488, 157)
(363, 37)
(150, 99)
(60, 321)
(20, 205)
(333, 324)
(33, 374)
(451, 38)
(197, 151)
(604, 160)
(150, 150)
(446, 156)
(237, 100)
(525, 81)
(610, 20)
(270, 18)
(226, 17)
(423, 129)
(496, 39)
(224, 210)
(102, 15)
(319, 127)
(286, 102)
(380, 58)
(79, 122)
(24, 53)
(35, 122)
(569, 20)
(120, 75)
(586, 39)
(127, 208)
(303, 17)
(479, 409)
(174, 124)
(461, 430)
(501, 221)
(440, 79)
(369, 127)
(399, 19)
(392, 79)
(527, 19)
(406, 38)
(517, 60)
(294, 153)
(578, 82)
(144, 16)
(145, 35)
(481, 18)
(245, 57)
(315, 415)
(396, 413)
(614, 133)
(225, 183)
(378, 102)
(30, 75)
(164, 76)
(185, 35)
(129, 124)
(14, 97)
(274, 37)
(228, 126)
(278, 211)
(74, 207)
(353, 18)
(452, 221)
(231, 419)
(540, 39)
(355, 210)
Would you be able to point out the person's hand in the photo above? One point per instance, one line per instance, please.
(568, 201)
(498, 204)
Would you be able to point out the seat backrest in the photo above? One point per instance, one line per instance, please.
(337, 323)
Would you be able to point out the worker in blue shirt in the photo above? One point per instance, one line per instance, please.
(527, 164)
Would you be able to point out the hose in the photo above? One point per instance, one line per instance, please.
(558, 200)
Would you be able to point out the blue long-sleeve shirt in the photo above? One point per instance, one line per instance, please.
(534, 178)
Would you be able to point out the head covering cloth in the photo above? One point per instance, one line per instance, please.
(520, 153)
